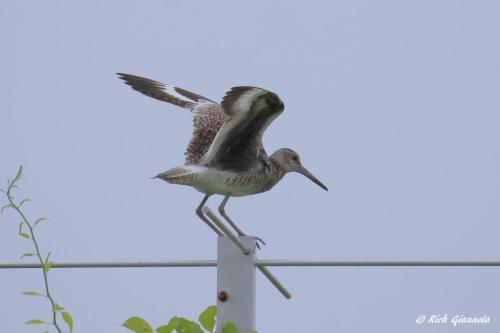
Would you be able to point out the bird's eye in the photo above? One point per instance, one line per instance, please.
(295, 158)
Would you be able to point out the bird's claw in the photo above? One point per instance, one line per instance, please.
(258, 239)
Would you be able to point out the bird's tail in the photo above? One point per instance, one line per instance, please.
(177, 175)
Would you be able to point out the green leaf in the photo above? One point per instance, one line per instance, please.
(58, 308)
(47, 264)
(138, 325)
(22, 202)
(189, 326)
(19, 174)
(35, 321)
(25, 235)
(38, 220)
(193, 327)
(207, 317)
(182, 325)
(175, 321)
(3, 191)
(254, 332)
(165, 329)
(31, 293)
(68, 319)
(27, 255)
(21, 226)
(5, 207)
(229, 327)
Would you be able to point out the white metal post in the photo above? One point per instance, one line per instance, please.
(236, 284)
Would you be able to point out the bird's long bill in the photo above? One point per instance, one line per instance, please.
(309, 175)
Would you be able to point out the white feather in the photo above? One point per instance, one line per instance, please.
(171, 91)
(245, 101)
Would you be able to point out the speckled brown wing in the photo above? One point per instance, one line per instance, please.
(208, 116)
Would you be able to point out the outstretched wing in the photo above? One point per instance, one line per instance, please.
(163, 92)
(238, 144)
(208, 116)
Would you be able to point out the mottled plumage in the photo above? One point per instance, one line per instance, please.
(225, 154)
(208, 116)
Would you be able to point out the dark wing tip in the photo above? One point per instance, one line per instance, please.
(122, 76)
(127, 77)
(139, 81)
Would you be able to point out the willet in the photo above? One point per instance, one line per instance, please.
(225, 155)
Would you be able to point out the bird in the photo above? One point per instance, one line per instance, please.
(225, 155)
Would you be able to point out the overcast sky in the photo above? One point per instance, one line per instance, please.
(394, 105)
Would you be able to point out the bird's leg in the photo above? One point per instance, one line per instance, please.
(199, 212)
(222, 212)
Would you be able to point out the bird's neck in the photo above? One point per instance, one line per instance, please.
(277, 170)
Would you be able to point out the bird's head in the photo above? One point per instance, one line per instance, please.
(289, 161)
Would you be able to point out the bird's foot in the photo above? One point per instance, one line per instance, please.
(258, 239)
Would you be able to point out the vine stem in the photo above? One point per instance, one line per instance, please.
(45, 277)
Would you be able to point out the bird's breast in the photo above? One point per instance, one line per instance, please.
(216, 181)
